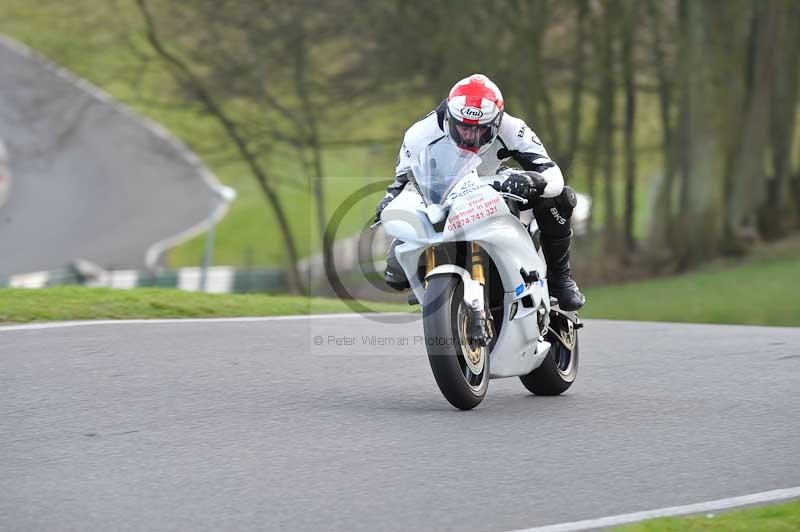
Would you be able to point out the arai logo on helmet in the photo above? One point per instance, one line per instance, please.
(471, 112)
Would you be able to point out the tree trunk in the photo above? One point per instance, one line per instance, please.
(314, 143)
(530, 65)
(607, 112)
(551, 119)
(193, 84)
(746, 191)
(778, 213)
(576, 89)
(659, 239)
(630, 21)
(700, 204)
(591, 171)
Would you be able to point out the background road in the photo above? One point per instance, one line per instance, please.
(251, 426)
(89, 179)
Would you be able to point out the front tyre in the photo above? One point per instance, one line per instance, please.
(461, 368)
(560, 367)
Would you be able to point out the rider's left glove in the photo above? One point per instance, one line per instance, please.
(528, 185)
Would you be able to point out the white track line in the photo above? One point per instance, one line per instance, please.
(701, 507)
(65, 324)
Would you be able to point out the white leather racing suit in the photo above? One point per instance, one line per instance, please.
(515, 141)
(552, 209)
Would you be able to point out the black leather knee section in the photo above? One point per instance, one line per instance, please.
(567, 199)
(553, 214)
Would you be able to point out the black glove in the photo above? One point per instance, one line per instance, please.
(382, 205)
(528, 185)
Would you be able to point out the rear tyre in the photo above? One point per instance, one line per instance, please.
(461, 369)
(559, 368)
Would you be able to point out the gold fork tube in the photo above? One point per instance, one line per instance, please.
(477, 264)
(430, 260)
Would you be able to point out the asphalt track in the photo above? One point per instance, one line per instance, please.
(251, 426)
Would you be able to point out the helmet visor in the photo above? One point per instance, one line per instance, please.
(471, 137)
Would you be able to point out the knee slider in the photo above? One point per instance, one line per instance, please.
(567, 198)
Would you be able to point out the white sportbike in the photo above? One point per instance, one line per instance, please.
(482, 281)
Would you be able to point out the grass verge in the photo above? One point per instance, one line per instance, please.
(81, 303)
(772, 518)
(761, 291)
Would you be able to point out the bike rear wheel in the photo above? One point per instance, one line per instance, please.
(560, 367)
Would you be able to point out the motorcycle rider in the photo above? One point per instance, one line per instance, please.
(472, 117)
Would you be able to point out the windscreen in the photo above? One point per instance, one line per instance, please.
(439, 167)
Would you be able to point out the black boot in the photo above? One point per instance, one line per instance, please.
(559, 278)
(394, 274)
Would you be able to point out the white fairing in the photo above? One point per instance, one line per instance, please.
(477, 213)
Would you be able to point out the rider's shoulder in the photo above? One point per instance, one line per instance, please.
(422, 132)
(516, 134)
(512, 127)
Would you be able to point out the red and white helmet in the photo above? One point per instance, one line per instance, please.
(474, 112)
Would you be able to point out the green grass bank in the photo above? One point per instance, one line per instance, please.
(761, 290)
(784, 517)
(81, 303)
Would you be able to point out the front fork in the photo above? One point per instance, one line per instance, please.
(430, 261)
(478, 329)
(475, 260)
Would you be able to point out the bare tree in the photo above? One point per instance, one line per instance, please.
(577, 85)
(629, 23)
(606, 110)
(661, 213)
(195, 86)
(779, 212)
(700, 216)
(723, 73)
(745, 176)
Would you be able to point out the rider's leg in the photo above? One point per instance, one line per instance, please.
(394, 274)
(553, 218)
